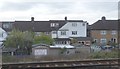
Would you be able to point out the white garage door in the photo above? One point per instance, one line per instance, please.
(41, 52)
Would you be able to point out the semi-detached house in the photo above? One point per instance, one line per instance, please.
(105, 31)
(64, 30)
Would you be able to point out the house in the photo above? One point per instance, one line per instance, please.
(3, 36)
(72, 28)
(38, 26)
(83, 41)
(105, 31)
(58, 29)
(7, 25)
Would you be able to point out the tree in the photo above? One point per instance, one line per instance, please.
(45, 39)
(22, 41)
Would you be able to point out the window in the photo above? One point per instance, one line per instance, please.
(37, 33)
(113, 32)
(47, 33)
(63, 32)
(74, 24)
(113, 40)
(103, 32)
(103, 40)
(95, 40)
(83, 24)
(1, 34)
(54, 32)
(54, 24)
(5, 25)
(74, 32)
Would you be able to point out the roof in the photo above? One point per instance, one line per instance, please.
(67, 20)
(37, 26)
(62, 39)
(9, 49)
(35, 45)
(105, 25)
(62, 46)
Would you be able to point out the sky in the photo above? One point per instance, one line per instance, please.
(86, 10)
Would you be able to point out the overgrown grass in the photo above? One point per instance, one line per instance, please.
(31, 58)
(8, 59)
(104, 54)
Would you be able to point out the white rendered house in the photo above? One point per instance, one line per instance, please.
(72, 28)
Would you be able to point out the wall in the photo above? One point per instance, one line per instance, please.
(73, 51)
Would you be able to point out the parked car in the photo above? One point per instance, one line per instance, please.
(107, 47)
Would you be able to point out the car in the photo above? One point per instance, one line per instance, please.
(107, 47)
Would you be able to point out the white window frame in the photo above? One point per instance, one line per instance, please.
(5, 25)
(54, 25)
(74, 24)
(54, 32)
(74, 32)
(103, 40)
(83, 24)
(37, 33)
(63, 32)
(103, 32)
(113, 32)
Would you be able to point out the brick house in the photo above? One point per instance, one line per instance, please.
(105, 31)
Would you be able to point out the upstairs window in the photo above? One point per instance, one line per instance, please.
(113, 32)
(54, 25)
(83, 24)
(74, 24)
(103, 32)
(7, 25)
(74, 32)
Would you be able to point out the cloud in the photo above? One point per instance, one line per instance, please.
(86, 10)
(13, 6)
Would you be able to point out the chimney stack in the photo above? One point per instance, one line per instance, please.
(103, 18)
(32, 18)
(65, 18)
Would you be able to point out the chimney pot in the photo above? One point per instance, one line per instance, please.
(32, 18)
(103, 18)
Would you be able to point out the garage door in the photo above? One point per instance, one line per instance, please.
(41, 52)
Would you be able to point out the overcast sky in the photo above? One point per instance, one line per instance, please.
(90, 11)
